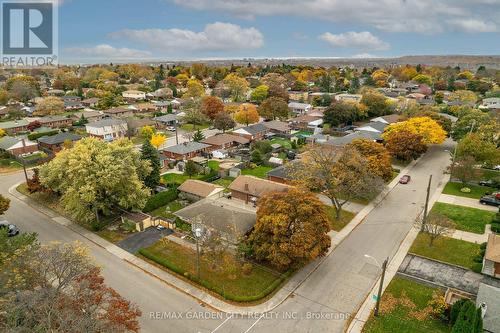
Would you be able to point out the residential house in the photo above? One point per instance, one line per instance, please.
(90, 102)
(253, 132)
(55, 92)
(249, 188)
(4, 112)
(279, 175)
(55, 143)
(373, 126)
(16, 147)
(232, 219)
(14, 126)
(135, 124)
(107, 129)
(91, 116)
(73, 105)
(166, 120)
(143, 107)
(119, 112)
(55, 121)
(344, 140)
(491, 104)
(488, 299)
(298, 96)
(299, 108)
(388, 119)
(225, 141)
(348, 98)
(306, 123)
(196, 190)
(186, 150)
(491, 262)
(134, 95)
(278, 127)
(71, 98)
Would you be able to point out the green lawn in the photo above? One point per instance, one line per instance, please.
(190, 127)
(260, 171)
(214, 165)
(450, 250)
(227, 278)
(338, 224)
(283, 142)
(466, 219)
(490, 174)
(476, 192)
(172, 207)
(225, 182)
(9, 164)
(402, 310)
(174, 178)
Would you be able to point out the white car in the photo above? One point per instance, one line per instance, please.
(170, 128)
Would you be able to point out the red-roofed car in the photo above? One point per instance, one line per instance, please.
(405, 179)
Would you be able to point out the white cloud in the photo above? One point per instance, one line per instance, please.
(107, 51)
(473, 26)
(216, 36)
(363, 56)
(361, 40)
(422, 16)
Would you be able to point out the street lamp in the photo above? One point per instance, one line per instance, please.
(379, 295)
(198, 232)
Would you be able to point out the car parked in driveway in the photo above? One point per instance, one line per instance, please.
(490, 183)
(490, 200)
(12, 230)
(405, 179)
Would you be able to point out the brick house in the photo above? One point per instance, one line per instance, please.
(253, 132)
(15, 146)
(249, 188)
(195, 190)
(107, 129)
(14, 126)
(186, 150)
(55, 121)
(119, 112)
(55, 143)
(225, 141)
(491, 262)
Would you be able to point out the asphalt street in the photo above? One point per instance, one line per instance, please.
(321, 304)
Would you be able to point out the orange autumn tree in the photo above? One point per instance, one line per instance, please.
(247, 114)
(291, 229)
(379, 159)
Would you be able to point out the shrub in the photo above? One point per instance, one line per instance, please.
(35, 136)
(477, 267)
(478, 258)
(247, 268)
(495, 227)
(438, 305)
(455, 309)
(465, 190)
(160, 199)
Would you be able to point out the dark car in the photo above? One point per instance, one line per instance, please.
(12, 230)
(490, 183)
(490, 200)
(405, 179)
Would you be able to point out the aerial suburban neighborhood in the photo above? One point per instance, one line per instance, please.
(342, 193)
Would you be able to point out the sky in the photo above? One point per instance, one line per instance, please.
(140, 30)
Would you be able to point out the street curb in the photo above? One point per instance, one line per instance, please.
(285, 291)
(365, 309)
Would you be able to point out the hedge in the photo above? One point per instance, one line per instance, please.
(160, 199)
(35, 136)
(495, 227)
(228, 296)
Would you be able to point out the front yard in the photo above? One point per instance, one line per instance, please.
(231, 279)
(338, 224)
(404, 309)
(285, 143)
(466, 219)
(168, 210)
(450, 250)
(476, 191)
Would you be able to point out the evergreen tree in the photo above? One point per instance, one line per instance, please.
(190, 169)
(149, 153)
(198, 136)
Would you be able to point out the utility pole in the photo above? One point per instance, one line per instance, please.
(23, 162)
(176, 132)
(198, 233)
(379, 295)
(426, 207)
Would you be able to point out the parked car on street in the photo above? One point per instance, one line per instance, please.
(490, 200)
(405, 179)
(12, 230)
(170, 128)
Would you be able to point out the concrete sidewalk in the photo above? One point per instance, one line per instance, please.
(466, 202)
(279, 297)
(472, 237)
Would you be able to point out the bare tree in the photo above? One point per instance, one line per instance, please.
(436, 225)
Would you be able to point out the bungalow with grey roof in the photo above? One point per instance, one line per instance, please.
(253, 132)
(107, 129)
(54, 143)
(186, 150)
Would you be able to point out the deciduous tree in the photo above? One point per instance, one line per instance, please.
(150, 154)
(378, 158)
(259, 94)
(157, 140)
(405, 145)
(274, 108)
(95, 177)
(224, 122)
(211, 106)
(4, 204)
(247, 114)
(291, 229)
(237, 86)
(194, 89)
(430, 131)
(376, 103)
(49, 106)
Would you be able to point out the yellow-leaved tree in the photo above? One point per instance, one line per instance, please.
(157, 140)
(429, 129)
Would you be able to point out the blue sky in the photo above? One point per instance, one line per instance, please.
(132, 30)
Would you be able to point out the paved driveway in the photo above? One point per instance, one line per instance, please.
(146, 238)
